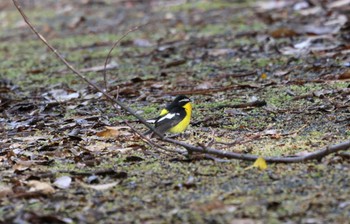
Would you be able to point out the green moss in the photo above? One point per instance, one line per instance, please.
(214, 29)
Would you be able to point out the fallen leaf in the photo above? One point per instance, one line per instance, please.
(5, 191)
(338, 4)
(112, 65)
(42, 187)
(317, 30)
(76, 21)
(246, 221)
(318, 43)
(269, 5)
(260, 163)
(32, 217)
(61, 95)
(283, 32)
(270, 132)
(345, 75)
(205, 85)
(142, 43)
(110, 132)
(220, 52)
(302, 153)
(21, 167)
(100, 187)
(98, 146)
(63, 182)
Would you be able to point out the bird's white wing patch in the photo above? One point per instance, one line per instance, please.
(151, 121)
(184, 100)
(168, 116)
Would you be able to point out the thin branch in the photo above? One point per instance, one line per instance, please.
(256, 103)
(318, 154)
(110, 51)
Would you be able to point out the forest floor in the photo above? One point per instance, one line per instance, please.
(59, 166)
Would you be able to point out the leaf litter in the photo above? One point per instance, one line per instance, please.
(65, 150)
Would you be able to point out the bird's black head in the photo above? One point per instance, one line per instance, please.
(181, 100)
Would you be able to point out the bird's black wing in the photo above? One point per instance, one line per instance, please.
(168, 121)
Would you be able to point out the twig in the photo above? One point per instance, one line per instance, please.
(256, 103)
(110, 51)
(318, 154)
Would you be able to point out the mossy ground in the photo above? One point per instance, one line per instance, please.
(167, 187)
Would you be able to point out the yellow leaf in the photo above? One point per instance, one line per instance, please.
(260, 163)
(263, 76)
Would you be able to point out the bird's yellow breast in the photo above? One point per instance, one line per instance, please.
(180, 127)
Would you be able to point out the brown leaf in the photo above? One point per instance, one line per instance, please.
(345, 75)
(22, 165)
(76, 21)
(5, 191)
(283, 32)
(42, 187)
(98, 146)
(112, 132)
(246, 221)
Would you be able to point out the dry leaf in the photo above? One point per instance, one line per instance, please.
(260, 163)
(112, 65)
(246, 221)
(283, 32)
(142, 43)
(5, 191)
(345, 75)
(205, 85)
(63, 182)
(110, 132)
(338, 4)
(61, 95)
(100, 187)
(42, 187)
(269, 5)
(220, 52)
(21, 167)
(98, 146)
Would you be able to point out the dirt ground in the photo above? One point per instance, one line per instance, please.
(67, 156)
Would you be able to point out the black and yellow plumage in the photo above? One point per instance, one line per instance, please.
(175, 117)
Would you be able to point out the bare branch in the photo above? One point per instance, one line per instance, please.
(318, 154)
(110, 51)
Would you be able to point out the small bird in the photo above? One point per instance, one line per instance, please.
(175, 117)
